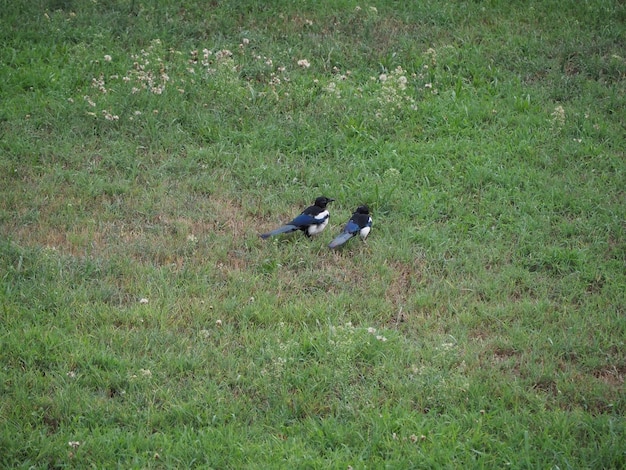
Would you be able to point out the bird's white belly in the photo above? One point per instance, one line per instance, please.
(315, 229)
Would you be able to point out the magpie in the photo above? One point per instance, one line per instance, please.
(311, 221)
(360, 223)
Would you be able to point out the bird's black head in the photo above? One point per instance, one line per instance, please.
(322, 201)
(363, 210)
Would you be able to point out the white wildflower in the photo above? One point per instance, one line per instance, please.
(89, 101)
(558, 116)
(223, 54)
(108, 116)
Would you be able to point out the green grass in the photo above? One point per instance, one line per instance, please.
(143, 322)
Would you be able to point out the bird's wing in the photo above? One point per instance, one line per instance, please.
(304, 220)
(352, 227)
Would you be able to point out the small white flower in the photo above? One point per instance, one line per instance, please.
(381, 338)
(304, 63)
(107, 58)
(89, 101)
(143, 301)
(223, 54)
(74, 444)
(371, 330)
(108, 116)
(558, 116)
(218, 322)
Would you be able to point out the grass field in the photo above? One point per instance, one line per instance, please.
(144, 145)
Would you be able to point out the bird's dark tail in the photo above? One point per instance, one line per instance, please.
(340, 240)
(278, 231)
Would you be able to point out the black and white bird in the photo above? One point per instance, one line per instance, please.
(311, 221)
(359, 224)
